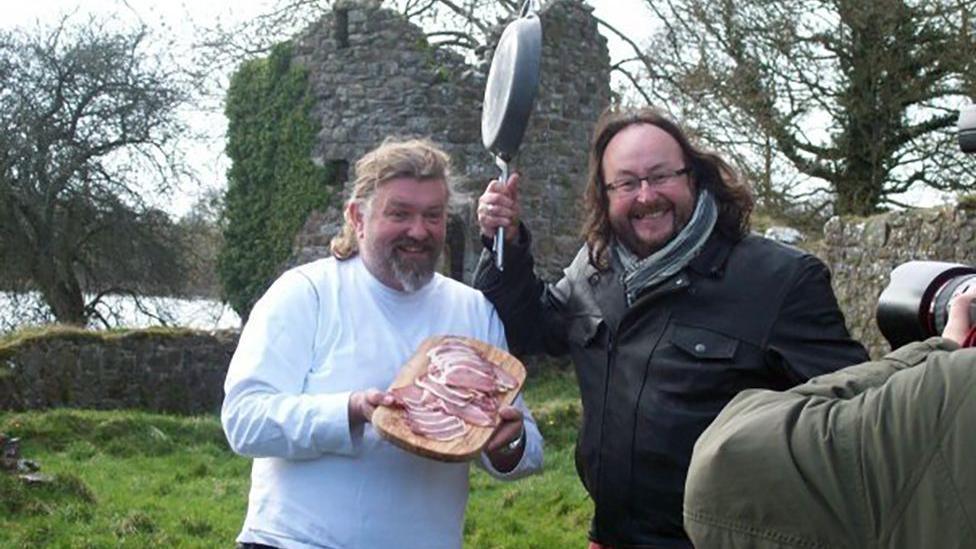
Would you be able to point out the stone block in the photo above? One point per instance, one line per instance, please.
(876, 232)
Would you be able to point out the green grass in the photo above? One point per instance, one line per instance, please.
(133, 479)
(122, 479)
(543, 511)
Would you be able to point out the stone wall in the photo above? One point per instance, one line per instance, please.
(862, 252)
(374, 75)
(183, 372)
(174, 372)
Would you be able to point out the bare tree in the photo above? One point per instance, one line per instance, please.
(88, 128)
(861, 95)
(464, 25)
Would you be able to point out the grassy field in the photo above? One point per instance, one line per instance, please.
(132, 479)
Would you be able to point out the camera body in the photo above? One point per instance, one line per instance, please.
(915, 304)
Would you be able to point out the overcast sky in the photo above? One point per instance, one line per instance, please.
(179, 19)
(620, 13)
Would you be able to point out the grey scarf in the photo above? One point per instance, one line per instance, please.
(641, 274)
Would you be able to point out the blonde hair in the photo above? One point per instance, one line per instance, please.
(418, 159)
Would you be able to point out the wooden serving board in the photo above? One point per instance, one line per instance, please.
(392, 425)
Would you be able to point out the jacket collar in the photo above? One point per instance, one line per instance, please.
(603, 288)
(710, 262)
(608, 292)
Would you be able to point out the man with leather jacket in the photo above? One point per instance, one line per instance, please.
(669, 309)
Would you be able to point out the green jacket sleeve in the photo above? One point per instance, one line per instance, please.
(855, 458)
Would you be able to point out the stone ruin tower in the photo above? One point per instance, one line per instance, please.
(373, 74)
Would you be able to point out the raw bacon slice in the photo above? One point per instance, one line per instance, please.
(435, 424)
(505, 380)
(466, 377)
(457, 397)
(429, 416)
(453, 355)
(409, 396)
(470, 414)
(487, 403)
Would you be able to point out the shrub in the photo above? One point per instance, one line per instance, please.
(272, 184)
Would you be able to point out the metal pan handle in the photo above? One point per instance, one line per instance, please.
(499, 244)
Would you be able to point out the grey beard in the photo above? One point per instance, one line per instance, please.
(412, 276)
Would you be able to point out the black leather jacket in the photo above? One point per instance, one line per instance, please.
(743, 314)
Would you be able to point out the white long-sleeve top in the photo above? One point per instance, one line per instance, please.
(322, 331)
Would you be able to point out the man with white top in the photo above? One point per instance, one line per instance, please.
(315, 353)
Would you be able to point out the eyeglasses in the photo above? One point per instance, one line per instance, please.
(629, 185)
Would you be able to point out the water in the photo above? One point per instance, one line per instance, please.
(22, 309)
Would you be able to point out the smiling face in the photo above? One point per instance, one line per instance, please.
(401, 232)
(647, 220)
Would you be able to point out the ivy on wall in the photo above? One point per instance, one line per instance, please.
(272, 184)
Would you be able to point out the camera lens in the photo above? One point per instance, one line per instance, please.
(915, 304)
(967, 129)
(943, 300)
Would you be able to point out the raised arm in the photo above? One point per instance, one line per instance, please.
(529, 308)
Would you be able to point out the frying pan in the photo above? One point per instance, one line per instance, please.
(513, 81)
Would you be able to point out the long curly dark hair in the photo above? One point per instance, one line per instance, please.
(708, 170)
